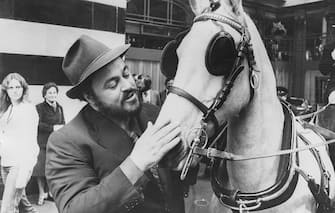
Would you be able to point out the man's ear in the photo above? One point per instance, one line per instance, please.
(90, 100)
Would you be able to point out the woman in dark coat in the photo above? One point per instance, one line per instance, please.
(51, 118)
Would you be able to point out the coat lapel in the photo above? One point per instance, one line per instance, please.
(108, 134)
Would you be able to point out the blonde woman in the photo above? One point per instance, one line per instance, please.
(19, 148)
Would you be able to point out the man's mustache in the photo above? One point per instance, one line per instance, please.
(127, 92)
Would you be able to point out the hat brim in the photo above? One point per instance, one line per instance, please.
(76, 92)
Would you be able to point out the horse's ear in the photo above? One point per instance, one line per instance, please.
(198, 6)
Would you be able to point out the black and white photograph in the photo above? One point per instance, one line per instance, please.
(167, 106)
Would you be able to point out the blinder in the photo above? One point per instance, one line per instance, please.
(220, 55)
(169, 58)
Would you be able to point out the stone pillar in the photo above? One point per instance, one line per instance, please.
(297, 79)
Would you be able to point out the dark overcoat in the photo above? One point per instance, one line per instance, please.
(83, 172)
(48, 117)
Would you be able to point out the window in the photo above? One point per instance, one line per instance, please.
(314, 36)
(136, 7)
(74, 13)
(169, 12)
(158, 9)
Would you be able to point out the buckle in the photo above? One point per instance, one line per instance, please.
(244, 206)
(237, 204)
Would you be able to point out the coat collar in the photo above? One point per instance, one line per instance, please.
(48, 105)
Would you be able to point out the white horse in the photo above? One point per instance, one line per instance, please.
(217, 74)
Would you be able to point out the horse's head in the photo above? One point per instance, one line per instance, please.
(213, 67)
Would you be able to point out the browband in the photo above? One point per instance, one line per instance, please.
(220, 18)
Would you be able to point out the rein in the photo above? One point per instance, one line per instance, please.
(313, 114)
(214, 153)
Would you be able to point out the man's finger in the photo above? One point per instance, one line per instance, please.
(169, 134)
(158, 126)
(164, 131)
(167, 147)
(148, 130)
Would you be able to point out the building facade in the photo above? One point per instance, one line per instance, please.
(295, 54)
(35, 36)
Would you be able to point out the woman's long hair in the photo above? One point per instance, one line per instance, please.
(5, 101)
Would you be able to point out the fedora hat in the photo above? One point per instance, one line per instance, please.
(85, 57)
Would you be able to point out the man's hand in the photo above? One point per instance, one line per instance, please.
(154, 143)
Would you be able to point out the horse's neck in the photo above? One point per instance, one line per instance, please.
(257, 130)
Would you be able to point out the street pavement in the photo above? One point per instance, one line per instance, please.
(47, 207)
(199, 197)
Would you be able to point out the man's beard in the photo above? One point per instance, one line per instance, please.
(116, 112)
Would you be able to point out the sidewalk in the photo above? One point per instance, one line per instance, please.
(47, 207)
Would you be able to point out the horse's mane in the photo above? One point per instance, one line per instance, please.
(263, 63)
(236, 7)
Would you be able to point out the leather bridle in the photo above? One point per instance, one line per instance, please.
(243, 49)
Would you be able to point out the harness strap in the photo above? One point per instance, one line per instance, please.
(221, 18)
(182, 93)
(202, 107)
(316, 154)
(214, 153)
(319, 194)
(320, 191)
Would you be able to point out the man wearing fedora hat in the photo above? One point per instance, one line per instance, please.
(105, 159)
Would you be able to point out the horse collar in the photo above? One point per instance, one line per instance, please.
(276, 194)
